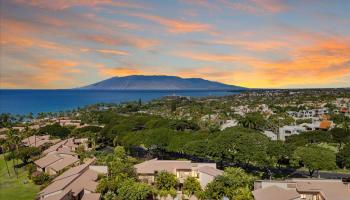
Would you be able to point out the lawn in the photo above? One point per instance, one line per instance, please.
(13, 188)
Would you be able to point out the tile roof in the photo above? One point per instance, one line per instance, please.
(64, 162)
(328, 189)
(73, 171)
(47, 160)
(75, 180)
(275, 193)
(58, 196)
(151, 166)
(58, 185)
(325, 124)
(210, 171)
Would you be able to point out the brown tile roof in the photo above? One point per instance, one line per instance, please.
(55, 147)
(328, 189)
(64, 162)
(87, 181)
(73, 171)
(75, 180)
(210, 171)
(150, 166)
(275, 193)
(47, 160)
(58, 196)
(58, 185)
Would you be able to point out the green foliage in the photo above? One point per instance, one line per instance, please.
(134, 191)
(301, 121)
(26, 153)
(314, 158)
(239, 145)
(41, 179)
(191, 186)
(54, 130)
(182, 125)
(234, 184)
(340, 135)
(158, 138)
(165, 181)
(343, 156)
(309, 138)
(253, 121)
(121, 164)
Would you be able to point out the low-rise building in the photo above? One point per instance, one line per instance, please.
(204, 172)
(38, 140)
(78, 183)
(286, 131)
(69, 122)
(53, 163)
(301, 189)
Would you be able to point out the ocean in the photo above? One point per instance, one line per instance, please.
(35, 101)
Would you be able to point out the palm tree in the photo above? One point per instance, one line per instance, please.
(5, 147)
(10, 140)
(15, 139)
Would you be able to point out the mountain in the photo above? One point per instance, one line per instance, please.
(140, 82)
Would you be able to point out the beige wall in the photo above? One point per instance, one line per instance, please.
(204, 179)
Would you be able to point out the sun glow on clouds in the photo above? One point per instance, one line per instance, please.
(253, 43)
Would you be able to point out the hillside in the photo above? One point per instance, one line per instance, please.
(140, 82)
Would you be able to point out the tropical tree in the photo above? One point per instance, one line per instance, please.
(191, 186)
(5, 146)
(233, 184)
(253, 121)
(165, 180)
(165, 183)
(134, 191)
(343, 156)
(340, 135)
(314, 158)
(14, 139)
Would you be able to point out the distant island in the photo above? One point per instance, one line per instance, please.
(157, 82)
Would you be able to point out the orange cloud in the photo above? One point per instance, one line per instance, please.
(128, 40)
(16, 34)
(175, 26)
(106, 51)
(318, 63)
(118, 71)
(45, 73)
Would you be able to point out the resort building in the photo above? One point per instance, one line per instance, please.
(38, 141)
(54, 163)
(302, 189)
(286, 131)
(78, 183)
(68, 145)
(64, 121)
(303, 114)
(204, 172)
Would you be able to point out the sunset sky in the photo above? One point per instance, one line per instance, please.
(251, 43)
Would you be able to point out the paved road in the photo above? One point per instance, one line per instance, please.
(328, 175)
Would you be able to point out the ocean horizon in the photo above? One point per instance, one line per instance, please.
(25, 101)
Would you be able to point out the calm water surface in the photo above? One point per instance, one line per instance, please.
(26, 101)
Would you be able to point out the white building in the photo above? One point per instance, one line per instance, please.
(290, 130)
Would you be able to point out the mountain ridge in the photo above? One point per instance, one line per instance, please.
(158, 82)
